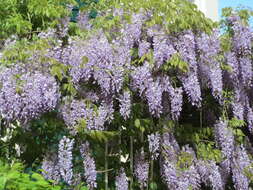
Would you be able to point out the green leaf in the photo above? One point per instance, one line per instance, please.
(153, 186)
(137, 123)
(101, 136)
(85, 60)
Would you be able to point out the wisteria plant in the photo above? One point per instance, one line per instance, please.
(150, 94)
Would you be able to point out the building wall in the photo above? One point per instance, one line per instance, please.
(209, 8)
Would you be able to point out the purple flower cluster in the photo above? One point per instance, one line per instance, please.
(175, 97)
(63, 26)
(209, 47)
(170, 146)
(50, 167)
(97, 60)
(143, 48)
(154, 145)
(241, 164)
(26, 96)
(186, 46)
(210, 174)
(246, 70)
(242, 36)
(142, 78)
(95, 119)
(65, 159)
(154, 98)
(90, 172)
(132, 31)
(83, 21)
(175, 176)
(232, 61)
(192, 88)
(163, 49)
(141, 169)
(225, 139)
(125, 104)
(121, 180)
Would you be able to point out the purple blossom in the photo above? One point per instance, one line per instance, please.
(95, 117)
(121, 180)
(90, 172)
(65, 159)
(175, 97)
(141, 77)
(192, 88)
(26, 96)
(232, 61)
(163, 49)
(241, 163)
(242, 37)
(209, 47)
(170, 146)
(238, 104)
(246, 71)
(83, 21)
(97, 60)
(154, 145)
(169, 174)
(125, 104)
(186, 46)
(154, 98)
(249, 118)
(141, 169)
(189, 178)
(63, 27)
(131, 33)
(178, 178)
(210, 174)
(143, 48)
(50, 167)
(224, 138)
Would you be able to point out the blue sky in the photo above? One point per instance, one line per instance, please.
(234, 3)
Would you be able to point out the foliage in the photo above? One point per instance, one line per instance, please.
(146, 93)
(13, 177)
(25, 17)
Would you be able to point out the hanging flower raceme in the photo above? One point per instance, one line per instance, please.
(121, 180)
(96, 60)
(175, 97)
(25, 96)
(125, 104)
(144, 47)
(65, 159)
(94, 117)
(232, 61)
(192, 88)
(175, 175)
(242, 36)
(141, 169)
(246, 71)
(50, 167)
(154, 145)
(239, 103)
(210, 70)
(225, 140)
(241, 166)
(186, 46)
(163, 49)
(90, 172)
(210, 174)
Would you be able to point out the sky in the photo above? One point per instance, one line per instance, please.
(234, 3)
